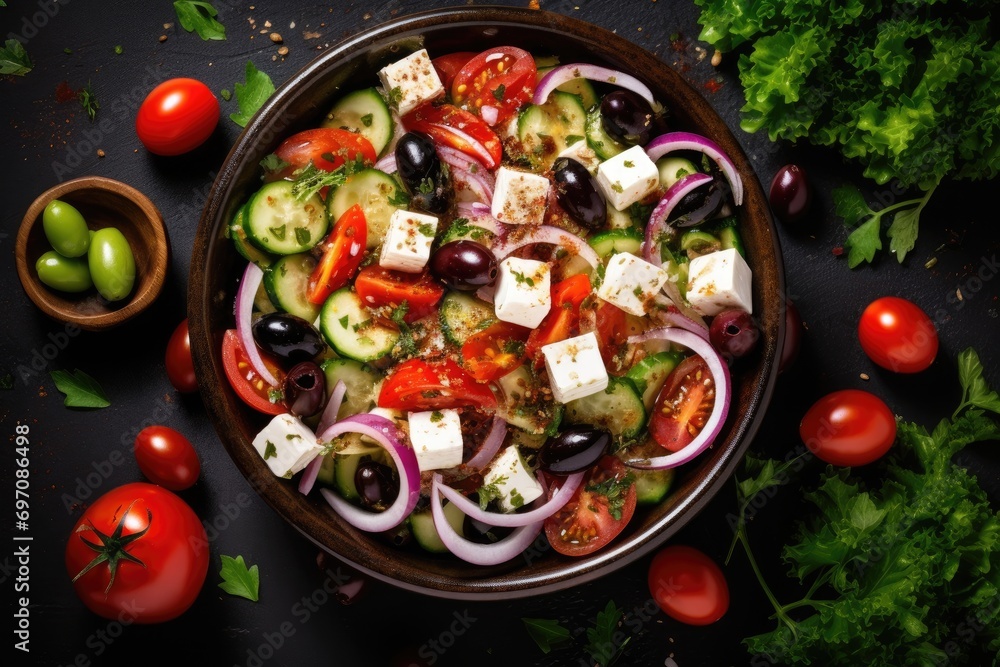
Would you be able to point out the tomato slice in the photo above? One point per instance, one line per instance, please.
(563, 320)
(433, 385)
(612, 335)
(343, 251)
(326, 147)
(683, 405)
(377, 286)
(598, 511)
(501, 77)
(447, 66)
(248, 385)
(495, 351)
(450, 126)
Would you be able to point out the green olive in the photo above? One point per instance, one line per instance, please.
(65, 229)
(66, 274)
(112, 265)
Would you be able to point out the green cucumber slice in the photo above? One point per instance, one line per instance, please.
(619, 409)
(650, 373)
(365, 112)
(697, 242)
(238, 235)
(424, 532)
(376, 191)
(617, 240)
(279, 223)
(582, 88)
(603, 143)
(673, 169)
(652, 486)
(545, 130)
(462, 315)
(350, 330)
(522, 404)
(287, 284)
(361, 381)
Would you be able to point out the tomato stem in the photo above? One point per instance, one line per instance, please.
(111, 550)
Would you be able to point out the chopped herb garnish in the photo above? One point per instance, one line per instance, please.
(617, 187)
(426, 186)
(271, 164)
(226, 95)
(628, 164)
(514, 347)
(119, 50)
(302, 236)
(499, 91)
(516, 499)
(426, 229)
(199, 17)
(490, 492)
(269, 450)
(343, 321)
(278, 232)
(89, 101)
(309, 180)
(399, 198)
(395, 97)
(572, 139)
(367, 119)
(615, 490)
(437, 416)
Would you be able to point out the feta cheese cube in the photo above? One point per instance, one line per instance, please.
(407, 244)
(575, 367)
(411, 81)
(582, 153)
(287, 445)
(511, 480)
(519, 197)
(523, 292)
(628, 177)
(719, 280)
(630, 283)
(436, 436)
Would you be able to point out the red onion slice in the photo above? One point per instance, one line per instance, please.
(688, 141)
(723, 395)
(490, 446)
(329, 416)
(512, 520)
(387, 164)
(385, 433)
(244, 314)
(672, 316)
(560, 75)
(658, 218)
(457, 158)
(474, 144)
(478, 215)
(489, 114)
(553, 235)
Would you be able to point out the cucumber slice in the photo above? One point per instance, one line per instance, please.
(673, 169)
(545, 130)
(346, 465)
(603, 144)
(650, 373)
(522, 405)
(350, 330)
(620, 219)
(652, 486)
(238, 235)
(374, 190)
(619, 409)
(361, 381)
(287, 283)
(697, 242)
(325, 475)
(728, 232)
(676, 266)
(262, 302)
(582, 88)
(277, 222)
(365, 112)
(617, 240)
(462, 315)
(424, 532)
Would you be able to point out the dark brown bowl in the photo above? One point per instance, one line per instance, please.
(103, 202)
(215, 268)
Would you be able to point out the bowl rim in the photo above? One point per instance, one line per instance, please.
(572, 571)
(141, 300)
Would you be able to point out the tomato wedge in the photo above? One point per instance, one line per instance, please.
(377, 286)
(326, 147)
(501, 77)
(433, 385)
(450, 126)
(343, 251)
(612, 335)
(598, 511)
(248, 385)
(447, 66)
(563, 320)
(495, 351)
(683, 405)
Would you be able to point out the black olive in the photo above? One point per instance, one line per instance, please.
(304, 389)
(288, 336)
(577, 193)
(376, 485)
(424, 176)
(464, 265)
(627, 117)
(702, 203)
(575, 449)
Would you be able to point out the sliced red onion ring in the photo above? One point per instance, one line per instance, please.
(672, 316)
(387, 164)
(688, 141)
(490, 446)
(478, 215)
(489, 114)
(560, 75)
(385, 433)
(553, 235)
(658, 218)
(244, 313)
(457, 158)
(513, 520)
(474, 144)
(480, 554)
(329, 416)
(723, 395)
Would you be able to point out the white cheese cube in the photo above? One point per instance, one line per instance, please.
(523, 292)
(519, 197)
(436, 436)
(628, 177)
(719, 280)
(630, 283)
(287, 445)
(582, 153)
(411, 81)
(515, 485)
(407, 244)
(575, 367)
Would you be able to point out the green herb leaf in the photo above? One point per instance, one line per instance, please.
(200, 17)
(89, 101)
(601, 644)
(251, 95)
(272, 164)
(310, 180)
(81, 390)
(14, 59)
(850, 205)
(864, 242)
(548, 634)
(615, 489)
(238, 580)
(367, 119)
(119, 50)
(226, 94)
(499, 92)
(975, 391)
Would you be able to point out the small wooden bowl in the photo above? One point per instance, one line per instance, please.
(103, 202)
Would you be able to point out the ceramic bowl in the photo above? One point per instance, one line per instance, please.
(215, 269)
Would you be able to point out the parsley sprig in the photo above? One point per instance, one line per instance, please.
(615, 489)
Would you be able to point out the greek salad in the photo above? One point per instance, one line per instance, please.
(491, 296)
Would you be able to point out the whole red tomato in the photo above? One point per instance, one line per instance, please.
(167, 458)
(177, 116)
(688, 585)
(897, 335)
(848, 428)
(138, 554)
(180, 366)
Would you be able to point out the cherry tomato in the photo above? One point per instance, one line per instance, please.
(897, 335)
(167, 458)
(502, 77)
(177, 116)
(451, 126)
(433, 385)
(326, 147)
(495, 351)
(598, 511)
(849, 427)
(377, 286)
(154, 571)
(563, 320)
(688, 585)
(248, 385)
(343, 251)
(180, 367)
(447, 66)
(683, 404)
